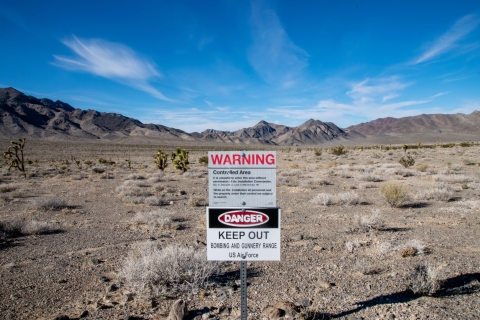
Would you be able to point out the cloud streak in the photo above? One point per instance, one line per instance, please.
(450, 39)
(275, 58)
(113, 61)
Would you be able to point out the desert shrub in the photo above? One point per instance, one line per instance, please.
(407, 161)
(348, 198)
(448, 145)
(466, 144)
(461, 178)
(366, 266)
(197, 201)
(134, 176)
(105, 161)
(424, 280)
(11, 228)
(368, 177)
(422, 167)
(439, 191)
(203, 160)
(323, 198)
(352, 245)
(367, 185)
(394, 194)
(160, 218)
(50, 204)
(17, 228)
(375, 221)
(291, 173)
(151, 270)
(469, 162)
(8, 188)
(419, 248)
(317, 152)
(340, 150)
(286, 182)
(98, 170)
(134, 191)
(37, 227)
(298, 150)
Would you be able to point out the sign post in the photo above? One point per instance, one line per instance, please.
(243, 222)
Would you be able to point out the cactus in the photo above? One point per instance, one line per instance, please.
(16, 152)
(405, 147)
(180, 159)
(161, 160)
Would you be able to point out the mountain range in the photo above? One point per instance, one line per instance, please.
(27, 116)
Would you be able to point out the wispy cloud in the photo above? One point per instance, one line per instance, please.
(369, 90)
(450, 39)
(273, 55)
(368, 101)
(112, 61)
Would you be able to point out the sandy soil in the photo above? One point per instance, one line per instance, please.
(346, 253)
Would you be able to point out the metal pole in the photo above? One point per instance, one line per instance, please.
(243, 290)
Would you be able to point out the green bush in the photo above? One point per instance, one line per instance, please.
(203, 160)
(407, 161)
(338, 151)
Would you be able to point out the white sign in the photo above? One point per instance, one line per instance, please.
(242, 178)
(243, 234)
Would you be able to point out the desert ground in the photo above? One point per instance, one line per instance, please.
(363, 237)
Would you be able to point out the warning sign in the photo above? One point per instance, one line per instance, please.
(236, 234)
(242, 178)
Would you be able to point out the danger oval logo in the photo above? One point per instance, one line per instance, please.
(243, 218)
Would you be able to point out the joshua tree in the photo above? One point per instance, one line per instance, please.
(180, 159)
(161, 160)
(14, 155)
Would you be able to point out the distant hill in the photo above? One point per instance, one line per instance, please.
(27, 116)
(424, 123)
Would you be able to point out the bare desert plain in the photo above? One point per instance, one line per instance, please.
(362, 236)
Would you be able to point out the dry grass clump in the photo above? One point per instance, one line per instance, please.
(324, 199)
(424, 280)
(194, 174)
(17, 228)
(368, 177)
(401, 172)
(292, 173)
(8, 188)
(394, 194)
(375, 221)
(37, 227)
(161, 218)
(50, 204)
(289, 182)
(422, 167)
(343, 198)
(314, 183)
(151, 270)
(461, 178)
(413, 248)
(367, 185)
(440, 191)
(196, 201)
(133, 191)
(348, 198)
(135, 176)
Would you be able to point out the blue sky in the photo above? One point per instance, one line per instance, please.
(225, 65)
